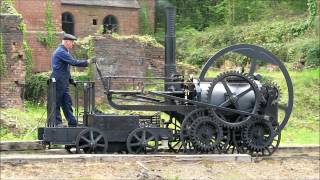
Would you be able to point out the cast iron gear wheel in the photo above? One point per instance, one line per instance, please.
(259, 135)
(206, 134)
(232, 98)
(271, 87)
(189, 119)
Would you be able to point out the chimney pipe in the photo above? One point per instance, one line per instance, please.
(170, 43)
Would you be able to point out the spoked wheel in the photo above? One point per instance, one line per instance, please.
(92, 141)
(257, 55)
(175, 145)
(186, 127)
(206, 134)
(142, 140)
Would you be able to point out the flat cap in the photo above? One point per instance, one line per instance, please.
(69, 37)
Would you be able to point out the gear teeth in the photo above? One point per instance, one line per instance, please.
(252, 83)
(201, 146)
(250, 142)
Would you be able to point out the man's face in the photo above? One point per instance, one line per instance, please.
(69, 44)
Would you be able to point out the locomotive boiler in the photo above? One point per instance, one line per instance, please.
(232, 112)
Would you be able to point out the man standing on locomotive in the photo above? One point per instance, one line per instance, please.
(60, 64)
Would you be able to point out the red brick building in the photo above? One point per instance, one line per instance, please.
(79, 17)
(33, 13)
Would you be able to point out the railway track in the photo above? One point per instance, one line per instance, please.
(34, 151)
(289, 162)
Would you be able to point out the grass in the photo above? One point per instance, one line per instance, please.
(23, 123)
(303, 126)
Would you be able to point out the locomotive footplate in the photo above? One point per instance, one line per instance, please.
(59, 135)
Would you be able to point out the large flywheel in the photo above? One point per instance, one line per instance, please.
(258, 55)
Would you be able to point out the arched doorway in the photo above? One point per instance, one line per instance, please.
(110, 24)
(68, 23)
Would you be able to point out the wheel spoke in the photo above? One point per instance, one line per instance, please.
(224, 82)
(135, 144)
(100, 145)
(143, 135)
(136, 136)
(268, 150)
(98, 138)
(244, 92)
(150, 138)
(226, 103)
(84, 138)
(253, 65)
(91, 136)
(139, 149)
(175, 144)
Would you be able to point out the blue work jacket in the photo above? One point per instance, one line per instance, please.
(60, 63)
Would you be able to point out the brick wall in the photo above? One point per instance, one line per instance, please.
(127, 57)
(12, 81)
(33, 13)
(41, 55)
(128, 21)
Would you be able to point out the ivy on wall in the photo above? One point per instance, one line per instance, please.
(144, 22)
(48, 40)
(3, 67)
(7, 7)
(84, 49)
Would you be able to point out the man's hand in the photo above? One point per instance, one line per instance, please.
(92, 60)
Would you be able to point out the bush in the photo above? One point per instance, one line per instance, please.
(36, 85)
(312, 53)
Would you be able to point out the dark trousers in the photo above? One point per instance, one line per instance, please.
(64, 102)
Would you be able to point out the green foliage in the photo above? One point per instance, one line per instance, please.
(232, 12)
(305, 50)
(36, 85)
(3, 66)
(145, 39)
(48, 40)
(28, 59)
(196, 47)
(8, 8)
(312, 8)
(84, 49)
(26, 122)
(144, 21)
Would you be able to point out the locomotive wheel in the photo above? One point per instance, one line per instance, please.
(225, 140)
(175, 145)
(186, 126)
(142, 140)
(206, 134)
(259, 135)
(91, 140)
(232, 120)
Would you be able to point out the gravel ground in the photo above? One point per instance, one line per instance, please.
(289, 168)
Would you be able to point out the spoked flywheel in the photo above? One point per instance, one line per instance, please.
(255, 55)
(91, 140)
(142, 140)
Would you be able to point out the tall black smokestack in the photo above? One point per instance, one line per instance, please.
(170, 43)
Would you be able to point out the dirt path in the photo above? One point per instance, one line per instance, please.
(295, 168)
